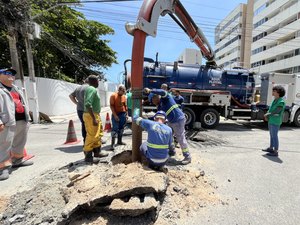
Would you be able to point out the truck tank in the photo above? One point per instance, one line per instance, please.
(238, 81)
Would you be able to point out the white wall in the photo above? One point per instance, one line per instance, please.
(53, 95)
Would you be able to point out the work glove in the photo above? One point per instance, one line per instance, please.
(136, 114)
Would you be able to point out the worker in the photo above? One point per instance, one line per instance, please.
(118, 106)
(178, 98)
(129, 101)
(77, 97)
(164, 87)
(159, 141)
(175, 117)
(92, 121)
(14, 124)
(274, 116)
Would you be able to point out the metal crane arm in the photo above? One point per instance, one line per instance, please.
(178, 13)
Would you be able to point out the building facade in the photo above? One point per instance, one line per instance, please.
(190, 56)
(276, 36)
(233, 37)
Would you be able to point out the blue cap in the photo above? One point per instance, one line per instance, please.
(8, 70)
(160, 114)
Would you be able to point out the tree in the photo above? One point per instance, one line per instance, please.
(71, 47)
(13, 14)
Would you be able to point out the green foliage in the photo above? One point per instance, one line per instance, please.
(70, 45)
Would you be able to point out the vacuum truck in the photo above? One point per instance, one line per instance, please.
(211, 92)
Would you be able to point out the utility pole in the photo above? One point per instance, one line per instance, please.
(32, 80)
(13, 26)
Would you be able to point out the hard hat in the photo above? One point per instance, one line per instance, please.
(160, 114)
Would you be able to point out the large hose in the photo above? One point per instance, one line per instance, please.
(244, 106)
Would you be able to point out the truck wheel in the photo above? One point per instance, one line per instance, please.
(297, 119)
(189, 116)
(209, 118)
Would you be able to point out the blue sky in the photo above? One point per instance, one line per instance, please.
(170, 40)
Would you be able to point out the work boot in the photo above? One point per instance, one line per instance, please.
(172, 153)
(89, 158)
(21, 162)
(4, 174)
(120, 142)
(187, 159)
(267, 150)
(273, 153)
(113, 141)
(98, 153)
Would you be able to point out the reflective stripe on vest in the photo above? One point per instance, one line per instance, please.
(170, 109)
(165, 95)
(185, 150)
(159, 160)
(157, 146)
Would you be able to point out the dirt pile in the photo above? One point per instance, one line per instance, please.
(110, 194)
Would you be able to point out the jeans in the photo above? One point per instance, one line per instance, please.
(118, 127)
(83, 130)
(274, 142)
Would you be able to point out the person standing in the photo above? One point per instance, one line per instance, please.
(92, 121)
(178, 98)
(129, 102)
(165, 87)
(118, 107)
(14, 124)
(274, 118)
(175, 117)
(77, 97)
(159, 141)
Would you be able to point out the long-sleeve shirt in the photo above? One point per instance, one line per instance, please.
(179, 100)
(160, 139)
(8, 107)
(168, 104)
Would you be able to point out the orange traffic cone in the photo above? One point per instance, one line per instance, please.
(26, 156)
(107, 127)
(71, 136)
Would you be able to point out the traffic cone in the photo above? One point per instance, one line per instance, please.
(107, 127)
(71, 136)
(26, 156)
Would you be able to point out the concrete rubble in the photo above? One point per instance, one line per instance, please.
(116, 191)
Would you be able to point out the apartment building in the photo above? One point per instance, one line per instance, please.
(233, 37)
(190, 56)
(276, 36)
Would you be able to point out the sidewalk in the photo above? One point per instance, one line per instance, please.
(73, 116)
(46, 142)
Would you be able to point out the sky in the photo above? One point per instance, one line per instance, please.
(170, 41)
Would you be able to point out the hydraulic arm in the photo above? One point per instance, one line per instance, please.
(146, 24)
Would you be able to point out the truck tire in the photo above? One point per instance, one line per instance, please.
(209, 118)
(189, 116)
(297, 119)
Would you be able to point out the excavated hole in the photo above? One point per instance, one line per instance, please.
(122, 158)
(91, 213)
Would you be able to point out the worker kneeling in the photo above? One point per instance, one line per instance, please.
(159, 142)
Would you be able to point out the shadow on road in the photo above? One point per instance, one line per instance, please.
(71, 149)
(251, 125)
(272, 158)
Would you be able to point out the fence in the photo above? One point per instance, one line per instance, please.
(53, 95)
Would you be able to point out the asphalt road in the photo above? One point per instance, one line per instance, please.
(253, 188)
